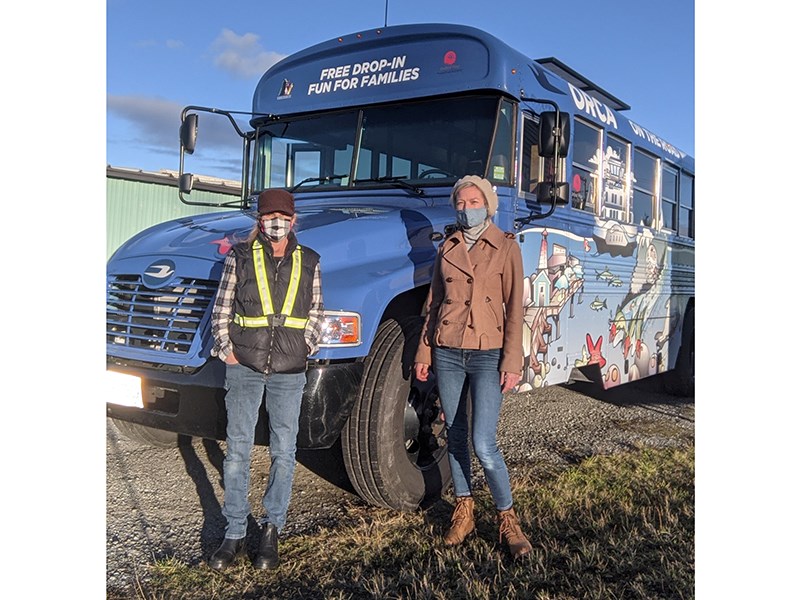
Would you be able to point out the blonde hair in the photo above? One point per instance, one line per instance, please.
(485, 187)
(253, 233)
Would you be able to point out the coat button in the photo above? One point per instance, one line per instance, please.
(488, 299)
(469, 279)
(445, 322)
(467, 302)
(448, 301)
(449, 280)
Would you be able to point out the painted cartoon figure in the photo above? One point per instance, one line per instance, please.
(638, 327)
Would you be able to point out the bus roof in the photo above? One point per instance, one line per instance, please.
(404, 62)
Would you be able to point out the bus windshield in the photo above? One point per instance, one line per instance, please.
(380, 145)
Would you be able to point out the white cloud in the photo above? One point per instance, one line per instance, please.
(242, 55)
(153, 125)
(156, 120)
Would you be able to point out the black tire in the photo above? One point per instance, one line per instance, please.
(147, 436)
(682, 383)
(394, 443)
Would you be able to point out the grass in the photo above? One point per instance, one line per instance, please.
(611, 527)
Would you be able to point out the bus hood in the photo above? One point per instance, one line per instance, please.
(370, 254)
(343, 234)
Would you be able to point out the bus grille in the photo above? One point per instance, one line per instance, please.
(165, 320)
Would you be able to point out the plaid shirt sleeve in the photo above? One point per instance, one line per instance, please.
(222, 312)
(313, 331)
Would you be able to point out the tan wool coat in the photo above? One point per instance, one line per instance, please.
(475, 299)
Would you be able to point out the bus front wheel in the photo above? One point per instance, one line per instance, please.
(394, 443)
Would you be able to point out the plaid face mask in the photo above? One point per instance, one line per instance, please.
(276, 229)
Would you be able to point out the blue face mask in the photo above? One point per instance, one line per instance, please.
(470, 217)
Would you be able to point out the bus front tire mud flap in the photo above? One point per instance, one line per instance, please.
(393, 443)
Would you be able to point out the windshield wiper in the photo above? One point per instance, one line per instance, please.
(319, 179)
(396, 180)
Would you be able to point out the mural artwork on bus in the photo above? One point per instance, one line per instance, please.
(604, 294)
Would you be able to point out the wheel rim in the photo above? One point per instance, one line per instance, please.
(424, 432)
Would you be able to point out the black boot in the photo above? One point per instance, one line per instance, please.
(226, 553)
(268, 548)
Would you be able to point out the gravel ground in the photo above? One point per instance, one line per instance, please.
(167, 502)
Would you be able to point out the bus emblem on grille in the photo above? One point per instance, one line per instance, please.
(158, 274)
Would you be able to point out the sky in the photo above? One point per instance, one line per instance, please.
(164, 55)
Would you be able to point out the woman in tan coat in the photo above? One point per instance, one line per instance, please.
(472, 340)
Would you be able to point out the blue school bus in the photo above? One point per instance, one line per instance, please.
(370, 131)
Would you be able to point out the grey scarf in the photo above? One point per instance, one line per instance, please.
(472, 234)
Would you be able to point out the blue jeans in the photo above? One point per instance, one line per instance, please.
(457, 373)
(245, 390)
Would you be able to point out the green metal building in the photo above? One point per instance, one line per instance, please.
(137, 199)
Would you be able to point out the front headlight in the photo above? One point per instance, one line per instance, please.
(123, 389)
(340, 329)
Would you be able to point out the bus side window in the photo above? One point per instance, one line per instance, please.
(616, 160)
(499, 164)
(669, 197)
(686, 211)
(586, 159)
(645, 168)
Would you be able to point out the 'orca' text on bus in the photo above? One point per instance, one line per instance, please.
(592, 106)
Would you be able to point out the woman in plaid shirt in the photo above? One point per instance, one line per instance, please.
(266, 321)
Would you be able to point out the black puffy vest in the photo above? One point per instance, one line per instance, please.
(275, 348)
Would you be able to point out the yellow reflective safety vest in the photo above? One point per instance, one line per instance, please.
(271, 304)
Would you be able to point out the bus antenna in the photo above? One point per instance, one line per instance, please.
(386, 14)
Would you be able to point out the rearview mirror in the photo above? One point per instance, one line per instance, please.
(552, 132)
(547, 192)
(189, 133)
(185, 183)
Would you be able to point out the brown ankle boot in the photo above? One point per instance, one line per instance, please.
(462, 522)
(511, 531)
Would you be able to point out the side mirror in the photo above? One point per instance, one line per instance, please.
(549, 192)
(185, 183)
(189, 133)
(551, 131)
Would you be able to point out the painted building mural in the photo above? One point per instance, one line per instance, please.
(604, 295)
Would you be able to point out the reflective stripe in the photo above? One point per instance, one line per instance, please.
(293, 322)
(294, 282)
(264, 294)
(262, 279)
(296, 322)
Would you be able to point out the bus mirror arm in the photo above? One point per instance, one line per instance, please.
(188, 139)
(557, 194)
(554, 134)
